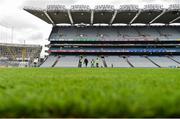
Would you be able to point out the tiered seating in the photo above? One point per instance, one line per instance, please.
(68, 62)
(3, 63)
(116, 61)
(128, 32)
(90, 58)
(174, 34)
(89, 49)
(140, 61)
(147, 31)
(176, 58)
(164, 62)
(49, 62)
(115, 33)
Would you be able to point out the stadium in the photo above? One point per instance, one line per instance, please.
(19, 55)
(112, 34)
(103, 61)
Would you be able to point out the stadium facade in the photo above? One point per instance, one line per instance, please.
(113, 35)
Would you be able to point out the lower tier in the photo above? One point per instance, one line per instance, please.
(114, 61)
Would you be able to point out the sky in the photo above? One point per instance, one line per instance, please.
(28, 29)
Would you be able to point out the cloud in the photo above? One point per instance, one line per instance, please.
(1, 1)
(19, 23)
(36, 36)
(43, 3)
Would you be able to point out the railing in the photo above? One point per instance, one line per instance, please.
(153, 7)
(115, 39)
(174, 7)
(145, 50)
(55, 5)
(56, 8)
(104, 8)
(128, 8)
(80, 8)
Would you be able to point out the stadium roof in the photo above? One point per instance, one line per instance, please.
(107, 14)
(20, 45)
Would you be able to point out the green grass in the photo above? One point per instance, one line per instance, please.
(89, 92)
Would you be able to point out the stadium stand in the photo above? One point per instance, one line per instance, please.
(90, 58)
(176, 58)
(49, 62)
(98, 32)
(132, 33)
(3, 63)
(72, 61)
(140, 62)
(68, 61)
(164, 62)
(19, 55)
(116, 61)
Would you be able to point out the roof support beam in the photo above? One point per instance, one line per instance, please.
(174, 20)
(113, 17)
(158, 16)
(92, 17)
(47, 15)
(70, 17)
(139, 12)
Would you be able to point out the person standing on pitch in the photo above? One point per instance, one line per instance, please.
(92, 63)
(97, 62)
(80, 61)
(86, 62)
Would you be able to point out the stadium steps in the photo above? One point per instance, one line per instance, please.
(104, 62)
(57, 60)
(164, 61)
(177, 58)
(40, 65)
(49, 62)
(127, 60)
(153, 62)
(67, 62)
(141, 62)
(173, 59)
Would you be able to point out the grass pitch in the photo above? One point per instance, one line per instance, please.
(89, 92)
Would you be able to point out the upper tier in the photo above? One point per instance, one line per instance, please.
(115, 33)
(106, 14)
